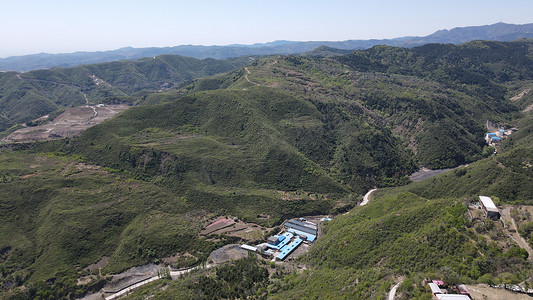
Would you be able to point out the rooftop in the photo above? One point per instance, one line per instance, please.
(487, 202)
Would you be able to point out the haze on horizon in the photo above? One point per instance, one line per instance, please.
(60, 26)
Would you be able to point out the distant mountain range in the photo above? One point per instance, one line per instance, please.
(496, 32)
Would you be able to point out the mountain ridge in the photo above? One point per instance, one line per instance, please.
(498, 32)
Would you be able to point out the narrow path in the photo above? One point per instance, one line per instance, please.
(521, 95)
(95, 113)
(366, 198)
(513, 232)
(129, 289)
(246, 76)
(393, 290)
(173, 275)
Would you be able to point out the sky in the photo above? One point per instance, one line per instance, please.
(60, 26)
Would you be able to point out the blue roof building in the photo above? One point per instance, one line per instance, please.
(283, 240)
(309, 237)
(285, 251)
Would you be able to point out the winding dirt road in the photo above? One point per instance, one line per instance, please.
(173, 275)
(513, 232)
(248, 79)
(366, 198)
(393, 290)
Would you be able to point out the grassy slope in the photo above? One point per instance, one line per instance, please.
(27, 96)
(423, 228)
(436, 97)
(59, 216)
(259, 137)
(232, 151)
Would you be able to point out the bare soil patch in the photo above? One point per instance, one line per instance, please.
(70, 123)
(425, 173)
(483, 291)
(100, 264)
(227, 253)
(522, 94)
(218, 224)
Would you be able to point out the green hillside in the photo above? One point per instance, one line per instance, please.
(286, 136)
(417, 231)
(27, 96)
(260, 138)
(436, 97)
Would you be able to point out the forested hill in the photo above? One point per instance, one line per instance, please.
(437, 97)
(273, 138)
(27, 96)
(496, 32)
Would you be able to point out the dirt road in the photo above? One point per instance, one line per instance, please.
(246, 76)
(425, 173)
(393, 290)
(483, 291)
(513, 231)
(366, 198)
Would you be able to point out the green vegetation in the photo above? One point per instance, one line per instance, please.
(244, 278)
(435, 97)
(400, 233)
(285, 143)
(287, 136)
(59, 216)
(28, 96)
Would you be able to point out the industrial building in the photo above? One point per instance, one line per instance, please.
(442, 295)
(280, 246)
(306, 230)
(490, 209)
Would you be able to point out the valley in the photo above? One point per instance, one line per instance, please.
(115, 173)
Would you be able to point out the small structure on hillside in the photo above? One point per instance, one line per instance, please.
(435, 290)
(451, 297)
(490, 209)
(249, 248)
(463, 290)
(439, 294)
(495, 139)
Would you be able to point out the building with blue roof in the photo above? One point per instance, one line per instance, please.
(285, 251)
(309, 237)
(283, 240)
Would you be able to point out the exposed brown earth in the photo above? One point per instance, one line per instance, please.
(483, 291)
(227, 253)
(522, 94)
(70, 123)
(513, 231)
(100, 264)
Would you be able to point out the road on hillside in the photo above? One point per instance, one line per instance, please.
(246, 77)
(513, 231)
(393, 290)
(173, 275)
(366, 198)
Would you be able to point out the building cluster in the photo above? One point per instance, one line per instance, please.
(495, 137)
(441, 291)
(295, 233)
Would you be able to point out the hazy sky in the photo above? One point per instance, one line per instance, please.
(55, 26)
